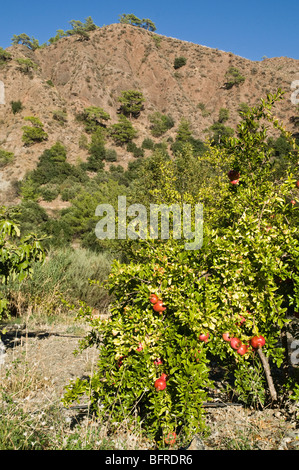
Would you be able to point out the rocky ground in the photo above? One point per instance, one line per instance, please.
(44, 359)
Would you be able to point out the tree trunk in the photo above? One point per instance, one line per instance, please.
(265, 363)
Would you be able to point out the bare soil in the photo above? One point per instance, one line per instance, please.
(48, 353)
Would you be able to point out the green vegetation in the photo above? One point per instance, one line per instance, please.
(223, 115)
(243, 108)
(17, 257)
(59, 34)
(179, 62)
(161, 123)
(241, 270)
(82, 29)
(148, 144)
(16, 106)
(203, 109)
(131, 103)
(5, 157)
(157, 40)
(4, 56)
(134, 21)
(184, 136)
(233, 78)
(136, 151)
(93, 117)
(35, 133)
(122, 132)
(26, 65)
(32, 43)
(79, 28)
(220, 132)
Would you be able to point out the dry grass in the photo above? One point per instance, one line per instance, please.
(32, 415)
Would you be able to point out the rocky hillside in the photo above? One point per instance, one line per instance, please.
(73, 74)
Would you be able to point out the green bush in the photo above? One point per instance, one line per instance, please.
(29, 189)
(93, 117)
(52, 167)
(16, 106)
(5, 157)
(30, 216)
(136, 151)
(26, 65)
(122, 132)
(97, 154)
(179, 62)
(243, 108)
(220, 132)
(49, 192)
(223, 115)
(111, 155)
(161, 123)
(67, 272)
(34, 134)
(68, 193)
(131, 103)
(117, 173)
(243, 280)
(148, 144)
(81, 218)
(184, 136)
(83, 142)
(233, 78)
(4, 56)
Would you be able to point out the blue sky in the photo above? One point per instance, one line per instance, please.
(251, 29)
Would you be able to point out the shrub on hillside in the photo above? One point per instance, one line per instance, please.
(233, 78)
(34, 133)
(93, 117)
(5, 157)
(52, 167)
(136, 151)
(49, 192)
(148, 144)
(122, 132)
(179, 62)
(60, 115)
(160, 123)
(16, 106)
(111, 155)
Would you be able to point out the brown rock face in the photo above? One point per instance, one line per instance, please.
(73, 74)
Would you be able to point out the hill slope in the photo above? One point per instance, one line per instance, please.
(73, 74)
